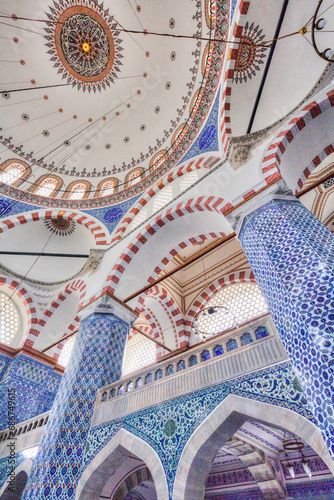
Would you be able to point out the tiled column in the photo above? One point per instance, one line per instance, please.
(96, 360)
(292, 256)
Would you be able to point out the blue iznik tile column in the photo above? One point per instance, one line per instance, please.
(96, 360)
(292, 256)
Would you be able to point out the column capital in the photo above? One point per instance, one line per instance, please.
(108, 304)
(278, 191)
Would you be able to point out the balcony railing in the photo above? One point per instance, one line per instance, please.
(241, 351)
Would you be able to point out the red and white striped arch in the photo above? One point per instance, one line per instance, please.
(27, 301)
(70, 328)
(190, 166)
(170, 305)
(95, 227)
(225, 124)
(200, 204)
(314, 164)
(181, 246)
(274, 155)
(202, 299)
(76, 286)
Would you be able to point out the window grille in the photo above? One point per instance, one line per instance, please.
(139, 353)
(66, 351)
(243, 302)
(10, 319)
(188, 180)
(162, 198)
(329, 182)
(12, 173)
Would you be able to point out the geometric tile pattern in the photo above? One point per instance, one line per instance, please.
(168, 426)
(35, 385)
(292, 256)
(96, 360)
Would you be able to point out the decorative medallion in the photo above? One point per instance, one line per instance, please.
(249, 55)
(113, 215)
(84, 45)
(60, 227)
(170, 427)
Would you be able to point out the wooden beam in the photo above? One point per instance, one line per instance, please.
(314, 185)
(151, 338)
(134, 328)
(186, 263)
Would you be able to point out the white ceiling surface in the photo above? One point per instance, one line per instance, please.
(156, 248)
(308, 143)
(294, 69)
(159, 67)
(56, 326)
(32, 237)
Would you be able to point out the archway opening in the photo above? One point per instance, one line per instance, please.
(122, 475)
(15, 488)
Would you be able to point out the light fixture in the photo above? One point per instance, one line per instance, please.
(291, 470)
(306, 466)
(318, 25)
(217, 312)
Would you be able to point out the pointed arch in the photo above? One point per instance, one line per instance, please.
(221, 424)
(113, 453)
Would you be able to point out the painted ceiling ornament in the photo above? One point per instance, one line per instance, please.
(83, 43)
(250, 56)
(60, 227)
(210, 13)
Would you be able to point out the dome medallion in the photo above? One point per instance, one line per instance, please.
(84, 45)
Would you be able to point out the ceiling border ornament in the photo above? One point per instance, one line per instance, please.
(96, 33)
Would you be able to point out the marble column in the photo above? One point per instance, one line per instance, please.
(96, 360)
(292, 256)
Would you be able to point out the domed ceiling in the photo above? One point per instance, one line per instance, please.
(100, 101)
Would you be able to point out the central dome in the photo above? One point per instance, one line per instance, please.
(123, 111)
(83, 47)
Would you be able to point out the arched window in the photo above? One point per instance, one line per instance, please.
(158, 159)
(106, 187)
(231, 345)
(158, 374)
(246, 339)
(261, 332)
(77, 191)
(139, 353)
(218, 350)
(193, 360)
(133, 177)
(205, 355)
(48, 186)
(12, 172)
(242, 302)
(10, 320)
